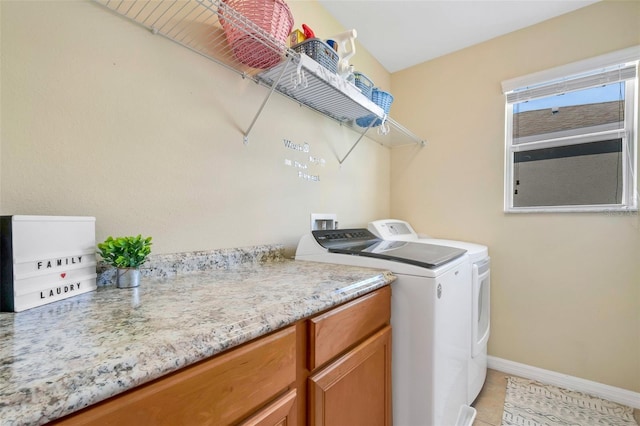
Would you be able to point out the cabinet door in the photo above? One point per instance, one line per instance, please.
(281, 412)
(355, 390)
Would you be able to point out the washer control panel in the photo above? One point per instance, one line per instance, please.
(344, 237)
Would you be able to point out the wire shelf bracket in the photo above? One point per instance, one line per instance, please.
(245, 138)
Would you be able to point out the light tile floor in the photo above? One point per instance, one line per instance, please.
(491, 400)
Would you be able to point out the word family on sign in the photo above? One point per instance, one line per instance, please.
(53, 263)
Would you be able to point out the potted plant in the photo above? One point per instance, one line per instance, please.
(126, 254)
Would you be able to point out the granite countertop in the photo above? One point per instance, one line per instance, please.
(64, 356)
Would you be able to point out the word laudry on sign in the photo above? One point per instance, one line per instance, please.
(44, 259)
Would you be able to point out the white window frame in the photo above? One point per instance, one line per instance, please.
(629, 135)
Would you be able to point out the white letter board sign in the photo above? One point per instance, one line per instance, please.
(44, 259)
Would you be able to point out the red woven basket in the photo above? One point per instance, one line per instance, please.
(250, 45)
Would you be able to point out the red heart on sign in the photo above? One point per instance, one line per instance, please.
(64, 274)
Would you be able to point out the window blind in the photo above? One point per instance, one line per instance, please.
(573, 83)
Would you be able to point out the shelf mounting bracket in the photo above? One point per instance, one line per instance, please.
(266, 99)
(357, 142)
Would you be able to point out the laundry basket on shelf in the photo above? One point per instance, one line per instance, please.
(259, 43)
(383, 100)
(364, 83)
(320, 52)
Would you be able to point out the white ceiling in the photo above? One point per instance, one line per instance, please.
(403, 33)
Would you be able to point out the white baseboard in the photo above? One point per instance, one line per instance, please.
(619, 395)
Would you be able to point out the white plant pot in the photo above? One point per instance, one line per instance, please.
(128, 277)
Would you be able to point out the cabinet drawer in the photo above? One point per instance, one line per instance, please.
(335, 331)
(281, 412)
(215, 392)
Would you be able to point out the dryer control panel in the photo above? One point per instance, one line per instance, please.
(393, 230)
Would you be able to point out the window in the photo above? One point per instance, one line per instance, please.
(571, 137)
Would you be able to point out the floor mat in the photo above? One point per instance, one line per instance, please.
(530, 403)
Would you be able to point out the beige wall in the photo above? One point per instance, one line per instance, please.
(102, 118)
(565, 287)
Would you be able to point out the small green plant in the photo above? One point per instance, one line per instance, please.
(125, 252)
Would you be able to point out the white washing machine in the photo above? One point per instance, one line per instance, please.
(480, 287)
(429, 317)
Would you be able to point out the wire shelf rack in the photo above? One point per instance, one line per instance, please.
(196, 25)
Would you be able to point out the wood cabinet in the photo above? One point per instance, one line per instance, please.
(281, 412)
(354, 387)
(333, 369)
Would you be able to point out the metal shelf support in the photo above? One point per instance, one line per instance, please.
(357, 142)
(245, 138)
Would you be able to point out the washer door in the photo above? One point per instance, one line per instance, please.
(481, 306)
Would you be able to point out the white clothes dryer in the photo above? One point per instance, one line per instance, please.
(480, 287)
(429, 318)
